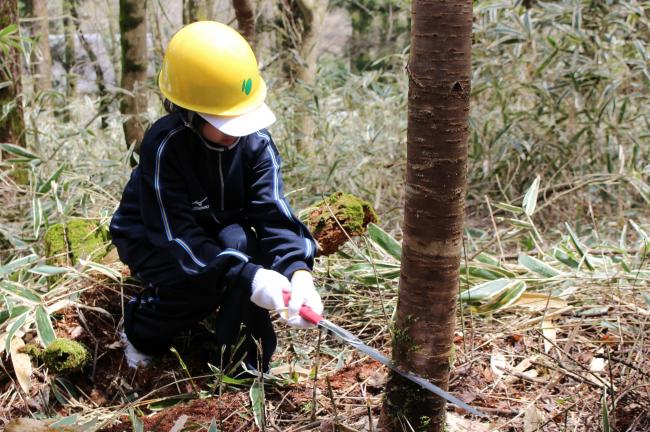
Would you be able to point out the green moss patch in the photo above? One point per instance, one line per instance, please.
(61, 356)
(79, 238)
(338, 217)
(65, 356)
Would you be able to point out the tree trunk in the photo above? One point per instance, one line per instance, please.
(12, 122)
(313, 13)
(439, 90)
(133, 30)
(69, 55)
(209, 5)
(301, 24)
(194, 10)
(40, 31)
(245, 19)
(104, 97)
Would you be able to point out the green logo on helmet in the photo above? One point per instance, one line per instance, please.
(246, 86)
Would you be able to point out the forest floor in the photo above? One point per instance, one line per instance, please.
(531, 367)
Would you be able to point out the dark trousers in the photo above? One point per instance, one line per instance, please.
(162, 311)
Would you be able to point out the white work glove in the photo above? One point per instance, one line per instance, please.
(266, 289)
(303, 292)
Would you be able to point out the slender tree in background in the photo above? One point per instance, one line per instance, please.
(104, 96)
(40, 30)
(12, 122)
(133, 31)
(194, 10)
(245, 15)
(438, 109)
(301, 25)
(69, 55)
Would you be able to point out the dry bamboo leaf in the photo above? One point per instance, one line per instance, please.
(458, 423)
(540, 301)
(597, 364)
(179, 424)
(287, 368)
(533, 420)
(523, 367)
(22, 364)
(28, 425)
(498, 364)
(550, 334)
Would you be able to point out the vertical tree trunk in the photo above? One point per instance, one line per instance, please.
(194, 10)
(439, 89)
(70, 54)
(301, 24)
(104, 97)
(209, 5)
(40, 31)
(12, 122)
(312, 13)
(133, 30)
(245, 19)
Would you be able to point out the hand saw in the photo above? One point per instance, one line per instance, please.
(309, 315)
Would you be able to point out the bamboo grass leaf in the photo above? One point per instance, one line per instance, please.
(44, 326)
(13, 313)
(505, 298)
(20, 292)
(37, 215)
(384, 240)
(70, 420)
(530, 198)
(48, 270)
(213, 426)
(485, 290)
(101, 268)
(256, 395)
(15, 326)
(136, 423)
(537, 266)
(604, 414)
(582, 250)
(565, 258)
(17, 264)
(18, 151)
(47, 185)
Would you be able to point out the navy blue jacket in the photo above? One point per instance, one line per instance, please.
(184, 191)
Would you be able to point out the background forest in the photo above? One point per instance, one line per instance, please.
(554, 300)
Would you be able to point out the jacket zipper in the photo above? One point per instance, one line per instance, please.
(221, 181)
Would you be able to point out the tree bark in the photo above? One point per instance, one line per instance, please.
(438, 110)
(104, 97)
(194, 10)
(133, 30)
(12, 123)
(40, 30)
(70, 53)
(245, 20)
(301, 24)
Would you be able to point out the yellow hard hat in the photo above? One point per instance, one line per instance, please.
(210, 68)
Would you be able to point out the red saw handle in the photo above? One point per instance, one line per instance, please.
(306, 312)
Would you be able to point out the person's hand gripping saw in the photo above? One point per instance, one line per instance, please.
(268, 290)
(303, 293)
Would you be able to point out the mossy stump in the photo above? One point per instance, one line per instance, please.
(61, 356)
(329, 218)
(79, 238)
